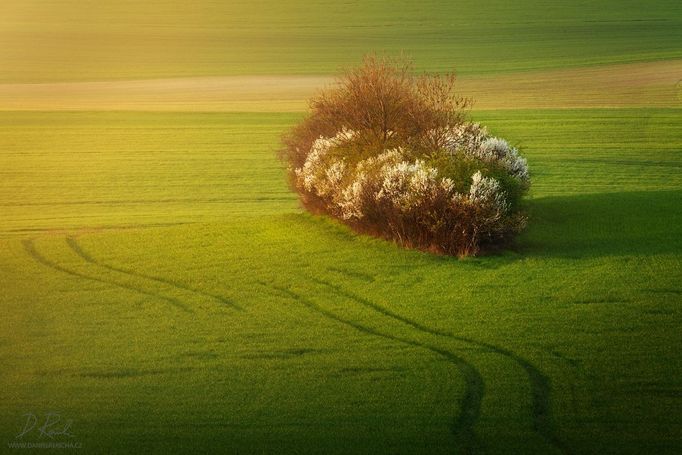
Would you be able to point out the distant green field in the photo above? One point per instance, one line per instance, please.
(161, 288)
(113, 39)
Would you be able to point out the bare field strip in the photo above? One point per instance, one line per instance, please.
(651, 84)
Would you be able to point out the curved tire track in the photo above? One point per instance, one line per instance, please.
(539, 383)
(30, 249)
(462, 426)
(369, 304)
(75, 246)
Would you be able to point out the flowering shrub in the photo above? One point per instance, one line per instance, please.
(445, 186)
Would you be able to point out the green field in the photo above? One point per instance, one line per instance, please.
(48, 40)
(161, 287)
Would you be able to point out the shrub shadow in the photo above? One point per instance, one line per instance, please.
(605, 224)
(577, 226)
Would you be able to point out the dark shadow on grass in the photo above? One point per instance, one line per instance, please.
(605, 224)
(579, 227)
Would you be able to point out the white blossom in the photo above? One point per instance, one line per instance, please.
(471, 139)
(406, 184)
(351, 203)
(320, 174)
(516, 165)
(447, 184)
(487, 191)
(353, 191)
(335, 172)
(464, 136)
(392, 156)
(498, 150)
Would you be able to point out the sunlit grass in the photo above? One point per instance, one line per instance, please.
(114, 40)
(256, 327)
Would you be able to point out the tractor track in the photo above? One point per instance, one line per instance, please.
(539, 383)
(29, 247)
(470, 404)
(75, 246)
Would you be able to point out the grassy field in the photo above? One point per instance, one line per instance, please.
(162, 297)
(161, 287)
(49, 40)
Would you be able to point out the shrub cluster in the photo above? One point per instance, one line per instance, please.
(392, 154)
